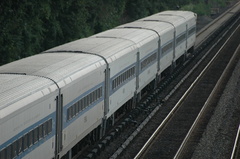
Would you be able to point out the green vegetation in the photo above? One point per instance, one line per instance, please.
(29, 27)
(200, 8)
(204, 7)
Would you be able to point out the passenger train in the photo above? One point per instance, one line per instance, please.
(70, 95)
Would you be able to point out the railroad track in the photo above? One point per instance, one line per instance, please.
(204, 35)
(236, 148)
(200, 123)
(169, 136)
(164, 96)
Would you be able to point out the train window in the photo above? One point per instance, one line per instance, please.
(167, 48)
(132, 71)
(120, 79)
(115, 83)
(148, 60)
(25, 142)
(100, 92)
(95, 95)
(124, 77)
(181, 38)
(87, 101)
(20, 145)
(49, 126)
(8, 152)
(44, 129)
(3, 153)
(128, 74)
(73, 110)
(76, 107)
(40, 131)
(30, 138)
(84, 102)
(90, 98)
(35, 135)
(87, 98)
(68, 114)
(81, 105)
(191, 31)
(14, 149)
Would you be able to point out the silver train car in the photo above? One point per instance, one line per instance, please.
(70, 94)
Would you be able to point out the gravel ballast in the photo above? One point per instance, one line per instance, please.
(219, 135)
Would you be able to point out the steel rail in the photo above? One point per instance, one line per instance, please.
(236, 144)
(160, 127)
(186, 139)
(132, 136)
(198, 43)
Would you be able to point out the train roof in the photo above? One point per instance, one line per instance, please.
(130, 34)
(16, 88)
(167, 18)
(57, 66)
(185, 14)
(159, 27)
(109, 48)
